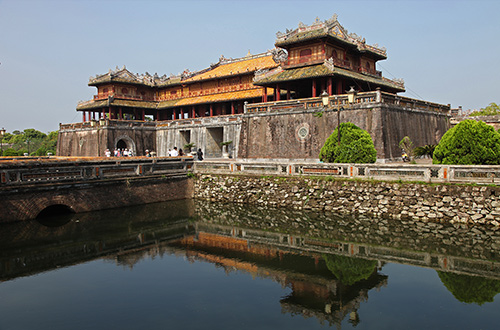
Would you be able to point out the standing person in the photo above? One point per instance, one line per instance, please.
(115, 153)
(199, 153)
(107, 153)
(175, 153)
(181, 153)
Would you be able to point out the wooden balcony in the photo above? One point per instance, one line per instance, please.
(105, 96)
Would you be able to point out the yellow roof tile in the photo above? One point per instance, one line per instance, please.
(220, 97)
(236, 68)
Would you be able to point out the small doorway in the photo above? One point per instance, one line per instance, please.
(121, 145)
(214, 139)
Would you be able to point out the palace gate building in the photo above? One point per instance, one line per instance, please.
(266, 106)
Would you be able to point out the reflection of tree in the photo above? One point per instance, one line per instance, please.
(350, 270)
(470, 289)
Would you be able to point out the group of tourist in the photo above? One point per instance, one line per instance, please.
(174, 152)
(171, 153)
(119, 153)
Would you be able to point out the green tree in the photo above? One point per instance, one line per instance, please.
(469, 143)
(356, 146)
(491, 109)
(38, 143)
(470, 289)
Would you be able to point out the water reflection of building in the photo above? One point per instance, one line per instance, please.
(315, 292)
(28, 247)
(310, 262)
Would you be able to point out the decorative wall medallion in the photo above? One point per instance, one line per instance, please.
(302, 132)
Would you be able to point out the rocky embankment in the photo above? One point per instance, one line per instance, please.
(418, 201)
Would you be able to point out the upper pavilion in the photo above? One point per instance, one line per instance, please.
(324, 57)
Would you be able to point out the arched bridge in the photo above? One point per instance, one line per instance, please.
(33, 187)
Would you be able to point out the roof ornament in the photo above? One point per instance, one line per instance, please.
(279, 55)
(329, 64)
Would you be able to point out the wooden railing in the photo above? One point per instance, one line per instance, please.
(474, 174)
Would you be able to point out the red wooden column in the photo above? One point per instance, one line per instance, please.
(329, 86)
(314, 88)
(84, 116)
(110, 114)
(174, 114)
(264, 94)
(193, 112)
(339, 87)
(120, 113)
(232, 108)
(143, 114)
(211, 110)
(278, 93)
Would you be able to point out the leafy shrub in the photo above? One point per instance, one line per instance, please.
(11, 152)
(356, 146)
(469, 143)
(427, 150)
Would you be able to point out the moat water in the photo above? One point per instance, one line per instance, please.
(199, 265)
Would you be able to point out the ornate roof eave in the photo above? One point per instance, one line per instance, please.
(110, 101)
(327, 68)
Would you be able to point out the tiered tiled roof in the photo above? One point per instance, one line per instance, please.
(330, 28)
(230, 67)
(323, 70)
(125, 76)
(213, 98)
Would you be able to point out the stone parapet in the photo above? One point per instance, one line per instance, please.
(472, 174)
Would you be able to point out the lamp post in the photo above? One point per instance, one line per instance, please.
(325, 98)
(2, 133)
(351, 95)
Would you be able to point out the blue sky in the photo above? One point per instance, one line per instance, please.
(446, 51)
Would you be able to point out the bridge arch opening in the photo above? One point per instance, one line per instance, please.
(52, 210)
(55, 215)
